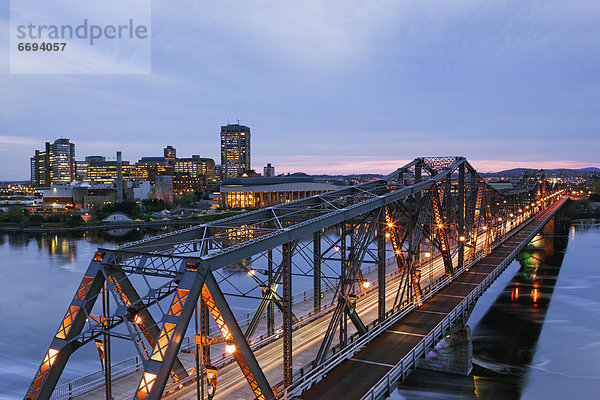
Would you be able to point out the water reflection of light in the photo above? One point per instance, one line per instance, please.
(514, 294)
(534, 295)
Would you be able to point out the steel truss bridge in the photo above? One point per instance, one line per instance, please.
(152, 292)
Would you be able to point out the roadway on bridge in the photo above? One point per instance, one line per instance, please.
(356, 376)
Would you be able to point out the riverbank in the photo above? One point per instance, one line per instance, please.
(116, 224)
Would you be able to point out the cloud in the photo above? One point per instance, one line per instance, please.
(317, 34)
(6, 141)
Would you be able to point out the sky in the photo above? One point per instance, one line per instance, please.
(332, 86)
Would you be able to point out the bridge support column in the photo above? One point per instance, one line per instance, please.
(453, 354)
(343, 270)
(271, 305)
(381, 266)
(287, 314)
(317, 271)
(549, 231)
(461, 215)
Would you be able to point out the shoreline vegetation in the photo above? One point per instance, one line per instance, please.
(70, 225)
(23, 222)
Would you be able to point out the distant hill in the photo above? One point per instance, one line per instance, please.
(551, 172)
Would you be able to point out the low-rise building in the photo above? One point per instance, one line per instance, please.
(255, 192)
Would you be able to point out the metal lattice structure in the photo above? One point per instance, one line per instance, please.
(432, 207)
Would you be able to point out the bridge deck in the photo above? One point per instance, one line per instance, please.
(354, 377)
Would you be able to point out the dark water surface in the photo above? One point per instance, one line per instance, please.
(536, 332)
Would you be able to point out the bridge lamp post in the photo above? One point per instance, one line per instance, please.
(501, 224)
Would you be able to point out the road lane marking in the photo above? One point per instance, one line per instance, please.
(373, 362)
(466, 283)
(451, 295)
(406, 333)
(432, 312)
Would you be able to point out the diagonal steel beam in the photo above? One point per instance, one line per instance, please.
(60, 349)
(230, 330)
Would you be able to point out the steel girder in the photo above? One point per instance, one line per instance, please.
(451, 194)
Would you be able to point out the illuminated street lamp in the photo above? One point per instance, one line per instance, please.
(230, 348)
(366, 284)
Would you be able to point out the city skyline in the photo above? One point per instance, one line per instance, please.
(331, 89)
(368, 166)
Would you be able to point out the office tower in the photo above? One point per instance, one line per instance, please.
(54, 165)
(151, 167)
(195, 166)
(40, 167)
(81, 170)
(235, 150)
(193, 174)
(170, 154)
(269, 170)
(62, 161)
(107, 172)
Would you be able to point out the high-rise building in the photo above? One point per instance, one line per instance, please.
(269, 170)
(54, 165)
(235, 150)
(40, 167)
(170, 154)
(62, 161)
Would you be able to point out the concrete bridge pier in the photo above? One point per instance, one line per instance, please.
(453, 354)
